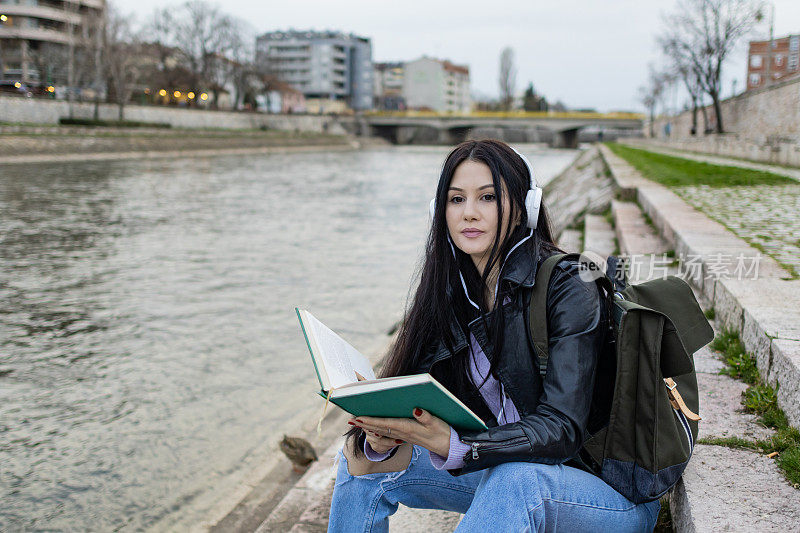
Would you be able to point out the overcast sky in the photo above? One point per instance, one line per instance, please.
(586, 53)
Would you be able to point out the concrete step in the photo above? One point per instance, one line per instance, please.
(639, 243)
(721, 398)
(306, 507)
(598, 236)
(570, 241)
(584, 187)
(633, 233)
(724, 489)
(410, 520)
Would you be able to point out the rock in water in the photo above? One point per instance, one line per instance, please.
(299, 451)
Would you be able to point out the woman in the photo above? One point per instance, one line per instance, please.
(466, 326)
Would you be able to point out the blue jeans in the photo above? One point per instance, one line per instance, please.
(508, 497)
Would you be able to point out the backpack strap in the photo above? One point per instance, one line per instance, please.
(537, 312)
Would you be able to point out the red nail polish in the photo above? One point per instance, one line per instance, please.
(417, 412)
(398, 441)
(359, 421)
(351, 423)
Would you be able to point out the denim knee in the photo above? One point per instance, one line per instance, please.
(507, 476)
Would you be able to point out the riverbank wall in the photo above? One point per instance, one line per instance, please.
(761, 125)
(40, 144)
(17, 110)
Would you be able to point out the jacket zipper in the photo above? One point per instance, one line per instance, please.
(511, 442)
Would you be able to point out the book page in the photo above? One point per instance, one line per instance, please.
(341, 360)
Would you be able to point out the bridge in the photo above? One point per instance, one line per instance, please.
(557, 128)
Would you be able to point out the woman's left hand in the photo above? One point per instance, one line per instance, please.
(424, 430)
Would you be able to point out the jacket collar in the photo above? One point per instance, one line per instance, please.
(519, 270)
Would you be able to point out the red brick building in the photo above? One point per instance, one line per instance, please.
(779, 63)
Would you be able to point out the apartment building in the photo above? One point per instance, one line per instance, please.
(388, 86)
(769, 61)
(437, 85)
(324, 66)
(36, 35)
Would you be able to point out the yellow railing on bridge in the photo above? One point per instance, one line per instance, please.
(509, 114)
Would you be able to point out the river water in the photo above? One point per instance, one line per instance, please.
(150, 357)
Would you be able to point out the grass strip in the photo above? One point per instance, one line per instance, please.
(759, 398)
(664, 521)
(678, 172)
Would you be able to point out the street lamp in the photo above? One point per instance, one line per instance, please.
(3, 18)
(759, 17)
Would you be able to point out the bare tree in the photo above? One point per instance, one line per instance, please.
(164, 63)
(682, 65)
(705, 32)
(507, 77)
(652, 93)
(96, 43)
(242, 69)
(204, 34)
(693, 85)
(201, 49)
(121, 54)
(81, 50)
(158, 31)
(72, 9)
(268, 77)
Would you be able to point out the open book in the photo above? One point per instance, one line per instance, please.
(346, 377)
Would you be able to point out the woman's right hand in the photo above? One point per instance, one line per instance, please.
(380, 444)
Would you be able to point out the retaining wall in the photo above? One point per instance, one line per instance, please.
(38, 111)
(761, 125)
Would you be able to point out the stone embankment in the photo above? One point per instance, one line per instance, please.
(602, 204)
(57, 144)
(762, 125)
(18, 110)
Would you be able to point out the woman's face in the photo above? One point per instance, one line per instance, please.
(471, 211)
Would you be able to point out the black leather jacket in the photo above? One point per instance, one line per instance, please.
(554, 410)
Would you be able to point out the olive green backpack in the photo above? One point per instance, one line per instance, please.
(642, 426)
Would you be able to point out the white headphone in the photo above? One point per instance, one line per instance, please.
(533, 199)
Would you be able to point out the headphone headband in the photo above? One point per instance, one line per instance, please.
(528, 165)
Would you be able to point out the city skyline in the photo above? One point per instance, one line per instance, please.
(554, 56)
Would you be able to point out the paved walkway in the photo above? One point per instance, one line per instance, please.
(793, 173)
(766, 216)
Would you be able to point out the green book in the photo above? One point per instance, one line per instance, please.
(346, 377)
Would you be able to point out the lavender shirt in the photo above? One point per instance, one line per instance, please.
(492, 393)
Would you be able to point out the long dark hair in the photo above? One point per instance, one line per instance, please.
(439, 297)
